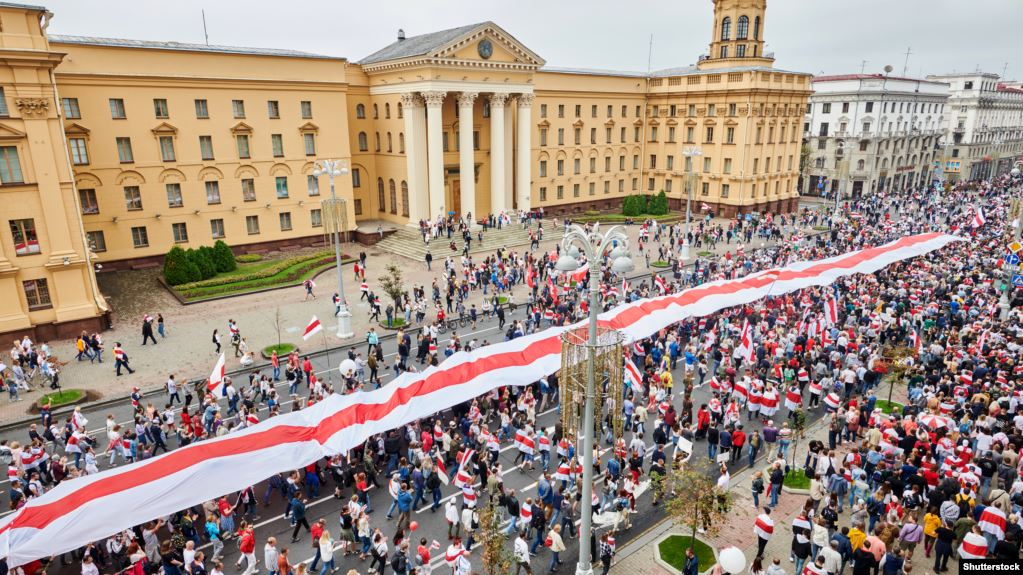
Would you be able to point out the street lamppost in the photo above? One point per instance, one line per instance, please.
(690, 153)
(843, 171)
(594, 246)
(335, 214)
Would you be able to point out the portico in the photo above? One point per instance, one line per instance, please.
(467, 106)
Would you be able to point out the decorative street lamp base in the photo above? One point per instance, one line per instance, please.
(685, 251)
(580, 570)
(344, 323)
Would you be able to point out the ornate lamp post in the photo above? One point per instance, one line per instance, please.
(335, 216)
(690, 153)
(594, 246)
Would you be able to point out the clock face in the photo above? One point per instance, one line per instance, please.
(485, 49)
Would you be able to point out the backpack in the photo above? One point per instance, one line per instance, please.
(964, 505)
(874, 507)
(398, 562)
(433, 481)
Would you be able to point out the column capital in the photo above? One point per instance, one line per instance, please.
(434, 99)
(526, 100)
(466, 99)
(498, 100)
(411, 100)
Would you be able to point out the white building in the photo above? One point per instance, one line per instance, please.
(879, 132)
(985, 124)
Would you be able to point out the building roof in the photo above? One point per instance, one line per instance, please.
(185, 47)
(420, 45)
(841, 77)
(22, 6)
(591, 71)
(664, 73)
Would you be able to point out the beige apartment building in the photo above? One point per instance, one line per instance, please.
(173, 143)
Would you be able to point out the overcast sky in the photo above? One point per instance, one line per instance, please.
(829, 36)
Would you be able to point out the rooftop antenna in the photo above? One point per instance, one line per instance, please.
(863, 66)
(650, 54)
(1005, 69)
(204, 32)
(905, 66)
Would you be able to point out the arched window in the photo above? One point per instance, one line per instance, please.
(381, 206)
(376, 112)
(401, 112)
(387, 110)
(860, 164)
(376, 141)
(394, 196)
(726, 29)
(820, 162)
(401, 142)
(742, 30)
(756, 28)
(404, 198)
(363, 146)
(389, 149)
(360, 111)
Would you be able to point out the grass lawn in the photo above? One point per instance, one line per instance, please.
(395, 323)
(282, 349)
(290, 276)
(660, 264)
(796, 479)
(889, 408)
(620, 218)
(704, 254)
(62, 397)
(673, 552)
(501, 300)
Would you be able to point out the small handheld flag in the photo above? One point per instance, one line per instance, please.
(216, 381)
(312, 329)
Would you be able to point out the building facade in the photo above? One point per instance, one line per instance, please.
(170, 144)
(984, 126)
(871, 132)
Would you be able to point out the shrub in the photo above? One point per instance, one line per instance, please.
(223, 257)
(203, 262)
(634, 205)
(248, 258)
(178, 268)
(271, 270)
(658, 204)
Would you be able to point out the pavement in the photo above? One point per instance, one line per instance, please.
(263, 319)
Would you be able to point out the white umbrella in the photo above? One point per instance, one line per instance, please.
(347, 367)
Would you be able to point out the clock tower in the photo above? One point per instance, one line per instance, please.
(737, 38)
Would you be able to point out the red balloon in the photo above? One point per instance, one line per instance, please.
(413, 526)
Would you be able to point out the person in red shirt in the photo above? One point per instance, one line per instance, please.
(738, 441)
(316, 531)
(226, 516)
(247, 547)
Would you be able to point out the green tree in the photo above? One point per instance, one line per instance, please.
(203, 262)
(178, 269)
(497, 558)
(695, 501)
(659, 204)
(223, 257)
(392, 284)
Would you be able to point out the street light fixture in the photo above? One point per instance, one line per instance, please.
(335, 215)
(577, 241)
(690, 153)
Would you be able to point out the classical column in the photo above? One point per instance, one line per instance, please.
(509, 147)
(523, 175)
(412, 108)
(466, 156)
(435, 151)
(497, 203)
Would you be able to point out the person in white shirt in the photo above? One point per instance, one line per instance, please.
(522, 555)
(88, 566)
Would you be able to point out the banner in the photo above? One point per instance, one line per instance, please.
(92, 507)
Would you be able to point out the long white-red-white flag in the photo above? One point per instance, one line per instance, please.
(89, 508)
(215, 384)
(312, 329)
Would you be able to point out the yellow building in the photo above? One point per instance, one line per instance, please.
(174, 143)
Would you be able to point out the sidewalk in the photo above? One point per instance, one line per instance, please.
(638, 556)
(188, 351)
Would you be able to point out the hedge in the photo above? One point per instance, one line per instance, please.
(248, 258)
(243, 283)
(263, 273)
(178, 269)
(223, 257)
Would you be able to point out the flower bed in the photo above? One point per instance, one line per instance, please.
(672, 550)
(286, 273)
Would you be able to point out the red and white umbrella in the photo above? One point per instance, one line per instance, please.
(934, 421)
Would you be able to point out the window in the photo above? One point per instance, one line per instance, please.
(543, 194)
(310, 143)
(575, 190)
(206, 147)
(392, 193)
(635, 134)
(213, 192)
(360, 111)
(277, 145)
(575, 166)
(728, 166)
(635, 184)
(273, 109)
(404, 198)
(968, 85)
(729, 135)
(242, 143)
(96, 240)
(132, 198)
(87, 197)
(561, 110)
(671, 134)
(561, 167)
(593, 111)
(690, 134)
(653, 133)
(37, 294)
(140, 237)
(376, 112)
(759, 135)
(543, 110)
(710, 134)
(607, 135)
(621, 163)
(740, 51)
(285, 218)
(358, 207)
(312, 185)
(356, 178)
(543, 136)
(174, 196)
(117, 109)
(593, 135)
(577, 133)
(167, 148)
(281, 184)
(79, 153)
(306, 108)
(826, 108)
(635, 161)
(401, 141)
(202, 111)
(593, 165)
(705, 189)
(252, 225)
(70, 106)
(724, 52)
(724, 190)
(742, 30)
(180, 233)
(726, 29)
(653, 161)
(381, 202)
(248, 190)
(578, 111)
(621, 186)
(650, 184)
(316, 218)
(756, 29)
(823, 129)
(376, 142)
(389, 147)
(238, 108)
(706, 164)
(731, 110)
(543, 168)
(561, 136)
(607, 186)
(160, 108)
(217, 228)
(26, 242)
(560, 192)
(845, 107)
(667, 186)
